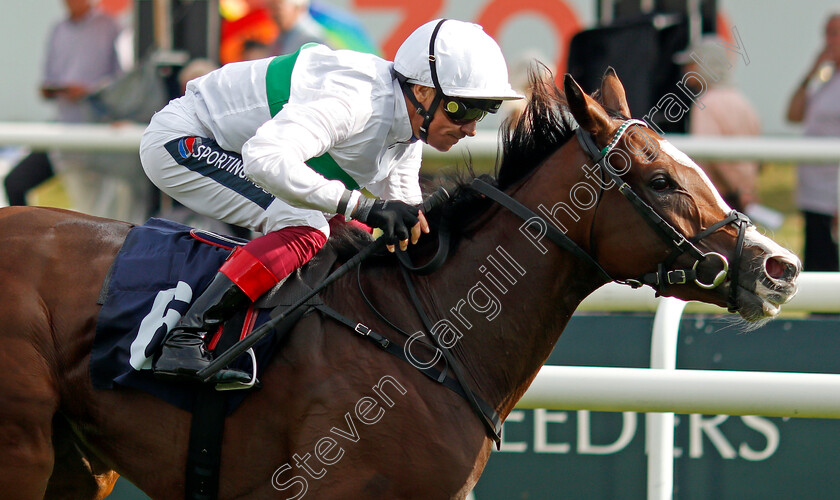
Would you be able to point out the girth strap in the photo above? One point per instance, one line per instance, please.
(491, 421)
(439, 376)
(204, 454)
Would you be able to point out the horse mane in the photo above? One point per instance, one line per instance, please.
(347, 240)
(543, 127)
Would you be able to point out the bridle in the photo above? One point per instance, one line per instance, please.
(679, 243)
(677, 240)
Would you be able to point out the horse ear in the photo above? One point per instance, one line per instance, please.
(587, 112)
(612, 93)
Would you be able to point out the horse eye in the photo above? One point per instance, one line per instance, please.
(660, 183)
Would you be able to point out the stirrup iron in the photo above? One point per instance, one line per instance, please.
(238, 386)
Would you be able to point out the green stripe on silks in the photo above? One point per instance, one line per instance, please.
(278, 79)
(327, 167)
(278, 88)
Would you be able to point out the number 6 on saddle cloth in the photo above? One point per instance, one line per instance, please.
(161, 267)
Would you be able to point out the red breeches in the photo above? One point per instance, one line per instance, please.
(263, 262)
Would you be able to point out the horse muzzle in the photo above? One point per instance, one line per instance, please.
(768, 279)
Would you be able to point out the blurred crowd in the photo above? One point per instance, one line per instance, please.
(86, 80)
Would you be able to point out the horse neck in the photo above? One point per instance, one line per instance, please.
(509, 301)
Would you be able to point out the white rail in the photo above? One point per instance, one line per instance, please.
(76, 137)
(818, 292)
(763, 148)
(772, 394)
(659, 432)
(662, 390)
(126, 137)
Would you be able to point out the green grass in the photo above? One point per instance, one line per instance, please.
(776, 187)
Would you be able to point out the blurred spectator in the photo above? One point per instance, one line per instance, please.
(816, 104)
(244, 22)
(296, 27)
(194, 69)
(253, 50)
(81, 57)
(720, 109)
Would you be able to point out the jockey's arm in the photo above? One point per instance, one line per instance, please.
(275, 157)
(403, 183)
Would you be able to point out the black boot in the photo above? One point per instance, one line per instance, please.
(184, 353)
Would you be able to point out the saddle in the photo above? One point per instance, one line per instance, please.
(161, 266)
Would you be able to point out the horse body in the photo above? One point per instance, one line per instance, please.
(316, 381)
(48, 319)
(336, 418)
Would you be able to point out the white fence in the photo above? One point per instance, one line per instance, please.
(662, 388)
(659, 389)
(126, 137)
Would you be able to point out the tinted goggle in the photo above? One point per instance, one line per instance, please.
(462, 111)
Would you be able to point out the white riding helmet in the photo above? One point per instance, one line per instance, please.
(468, 62)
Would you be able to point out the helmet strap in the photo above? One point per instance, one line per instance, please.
(428, 114)
(424, 129)
(421, 110)
(427, 118)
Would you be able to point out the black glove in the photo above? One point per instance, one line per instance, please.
(393, 217)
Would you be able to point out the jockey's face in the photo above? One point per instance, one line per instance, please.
(443, 132)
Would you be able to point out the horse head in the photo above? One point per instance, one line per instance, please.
(689, 244)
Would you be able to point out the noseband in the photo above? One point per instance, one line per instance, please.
(676, 239)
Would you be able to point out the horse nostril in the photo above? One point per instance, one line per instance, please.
(778, 268)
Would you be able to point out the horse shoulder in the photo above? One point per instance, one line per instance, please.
(332, 386)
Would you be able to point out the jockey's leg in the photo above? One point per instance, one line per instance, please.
(190, 169)
(249, 272)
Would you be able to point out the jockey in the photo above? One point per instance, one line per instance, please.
(278, 145)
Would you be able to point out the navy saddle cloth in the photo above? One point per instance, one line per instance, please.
(160, 269)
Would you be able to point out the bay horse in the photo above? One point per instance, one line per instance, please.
(335, 418)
